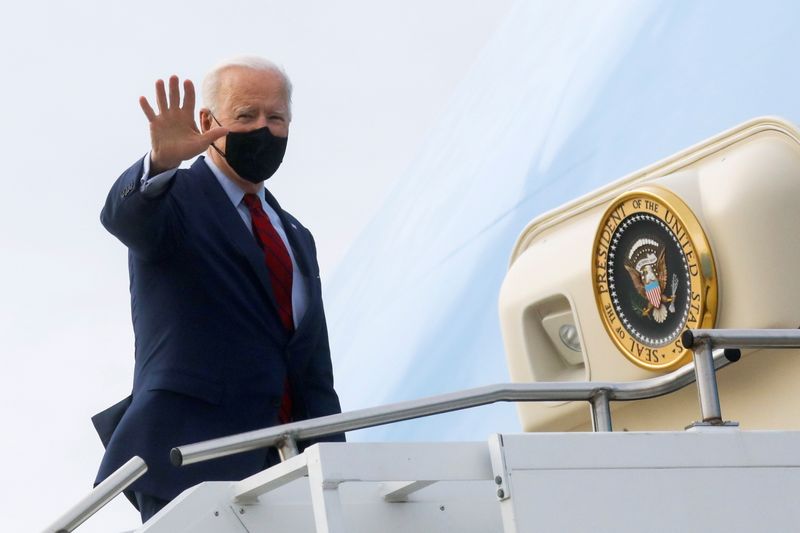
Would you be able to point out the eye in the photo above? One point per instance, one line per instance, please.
(244, 116)
(276, 118)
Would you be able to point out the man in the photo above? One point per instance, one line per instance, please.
(225, 290)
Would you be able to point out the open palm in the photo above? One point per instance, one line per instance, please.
(174, 134)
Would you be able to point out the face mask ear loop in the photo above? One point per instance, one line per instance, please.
(214, 146)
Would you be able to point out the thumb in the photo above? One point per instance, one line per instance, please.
(213, 134)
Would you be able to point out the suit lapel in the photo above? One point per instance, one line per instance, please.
(303, 256)
(299, 246)
(231, 222)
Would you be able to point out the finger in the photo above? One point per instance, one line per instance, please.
(213, 134)
(174, 92)
(161, 96)
(188, 96)
(148, 111)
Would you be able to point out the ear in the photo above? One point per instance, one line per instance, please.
(205, 120)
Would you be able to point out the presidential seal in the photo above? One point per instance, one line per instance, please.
(654, 276)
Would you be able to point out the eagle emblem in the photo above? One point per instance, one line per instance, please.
(647, 266)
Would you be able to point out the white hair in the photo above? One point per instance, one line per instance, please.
(211, 82)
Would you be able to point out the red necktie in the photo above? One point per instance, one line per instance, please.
(279, 265)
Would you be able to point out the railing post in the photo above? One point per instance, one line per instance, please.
(707, 383)
(287, 447)
(601, 411)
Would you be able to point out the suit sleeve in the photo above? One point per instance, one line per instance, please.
(149, 225)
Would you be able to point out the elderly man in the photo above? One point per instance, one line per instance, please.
(225, 289)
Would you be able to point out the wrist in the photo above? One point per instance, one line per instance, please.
(157, 166)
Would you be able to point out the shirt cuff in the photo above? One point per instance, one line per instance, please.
(152, 186)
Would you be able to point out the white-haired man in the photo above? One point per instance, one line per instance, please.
(225, 290)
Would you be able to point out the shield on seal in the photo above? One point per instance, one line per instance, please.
(653, 292)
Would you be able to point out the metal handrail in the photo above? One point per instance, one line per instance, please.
(599, 394)
(743, 338)
(103, 493)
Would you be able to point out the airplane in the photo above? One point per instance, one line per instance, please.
(548, 113)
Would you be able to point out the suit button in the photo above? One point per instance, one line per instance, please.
(276, 402)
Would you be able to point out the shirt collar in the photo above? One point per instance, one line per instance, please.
(235, 194)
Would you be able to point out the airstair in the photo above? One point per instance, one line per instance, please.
(712, 476)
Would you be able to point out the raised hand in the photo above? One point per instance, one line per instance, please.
(174, 135)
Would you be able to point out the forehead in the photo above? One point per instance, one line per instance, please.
(245, 86)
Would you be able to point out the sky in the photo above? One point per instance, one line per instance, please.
(426, 135)
(370, 79)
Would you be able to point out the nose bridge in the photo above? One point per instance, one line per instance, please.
(262, 119)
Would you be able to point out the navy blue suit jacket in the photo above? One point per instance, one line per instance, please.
(211, 353)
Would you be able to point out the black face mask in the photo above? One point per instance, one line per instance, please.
(254, 155)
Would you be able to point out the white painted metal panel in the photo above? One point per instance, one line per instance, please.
(716, 479)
